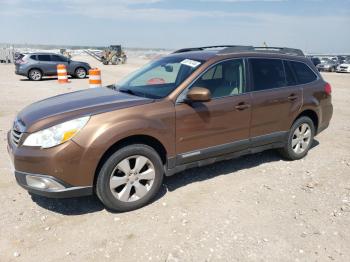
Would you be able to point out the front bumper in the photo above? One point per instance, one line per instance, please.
(58, 188)
(61, 165)
(343, 70)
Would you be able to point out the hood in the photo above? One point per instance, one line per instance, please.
(345, 64)
(57, 109)
(78, 62)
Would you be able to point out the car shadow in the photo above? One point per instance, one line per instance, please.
(91, 204)
(70, 206)
(44, 79)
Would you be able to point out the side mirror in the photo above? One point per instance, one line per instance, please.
(199, 94)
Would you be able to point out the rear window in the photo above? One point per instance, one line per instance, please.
(303, 72)
(44, 58)
(267, 73)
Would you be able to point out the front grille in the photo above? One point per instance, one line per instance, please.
(16, 136)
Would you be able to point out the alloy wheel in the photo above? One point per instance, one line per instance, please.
(80, 73)
(132, 178)
(35, 75)
(301, 138)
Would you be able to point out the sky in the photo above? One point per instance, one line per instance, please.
(317, 26)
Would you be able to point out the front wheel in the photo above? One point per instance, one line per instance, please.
(300, 139)
(130, 178)
(80, 73)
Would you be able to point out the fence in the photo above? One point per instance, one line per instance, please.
(7, 55)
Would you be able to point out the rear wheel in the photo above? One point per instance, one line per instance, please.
(130, 178)
(35, 75)
(299, 139)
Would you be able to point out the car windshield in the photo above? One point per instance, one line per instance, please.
(158, 78)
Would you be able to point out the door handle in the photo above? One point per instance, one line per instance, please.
(242, 106)
(292, 97)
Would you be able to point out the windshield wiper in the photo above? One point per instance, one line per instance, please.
(128, 91)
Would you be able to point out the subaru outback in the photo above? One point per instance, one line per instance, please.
(191, 108)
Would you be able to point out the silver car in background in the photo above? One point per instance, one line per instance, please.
(36, 65)
(327, 65)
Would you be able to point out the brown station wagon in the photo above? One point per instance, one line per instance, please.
(193, 107)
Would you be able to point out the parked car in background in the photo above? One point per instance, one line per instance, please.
(341, 59)
(36, 65)
(327, 65)
(315, 60)
(191, 108)
(344, 67)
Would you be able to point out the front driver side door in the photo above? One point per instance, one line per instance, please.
(56, 60)
(220, 126)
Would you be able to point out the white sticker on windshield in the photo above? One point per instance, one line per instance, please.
(191, 63)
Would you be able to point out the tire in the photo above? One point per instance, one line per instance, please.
(35, 75)
(128, 192)
(80, 73)
(115, 60)
(303, 142)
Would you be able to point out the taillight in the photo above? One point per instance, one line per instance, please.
(22, 62)
(328, 89)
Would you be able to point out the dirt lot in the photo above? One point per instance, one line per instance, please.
(255, 208)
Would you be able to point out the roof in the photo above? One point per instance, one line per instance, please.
(41, 53)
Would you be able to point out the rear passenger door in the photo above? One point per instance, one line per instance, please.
(276, 99)
(48, 66)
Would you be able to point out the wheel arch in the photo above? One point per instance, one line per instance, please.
(37, 68)
(312, 115)
(134, 139)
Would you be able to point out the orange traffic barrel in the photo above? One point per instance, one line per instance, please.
(95, 78)
(62, 74)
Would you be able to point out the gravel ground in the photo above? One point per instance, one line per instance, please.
(255, 208)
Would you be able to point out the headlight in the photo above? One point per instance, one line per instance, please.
(57, 134)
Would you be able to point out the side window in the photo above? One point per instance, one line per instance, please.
(290, 77)
(213, 73)
(267, 73)
(33, 57)
(57, 58)
(303, 72)
(44, 58)
(224, 79)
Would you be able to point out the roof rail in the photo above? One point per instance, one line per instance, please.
(283, 50)
(183, 50)
(238, 48)
(279, 50)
